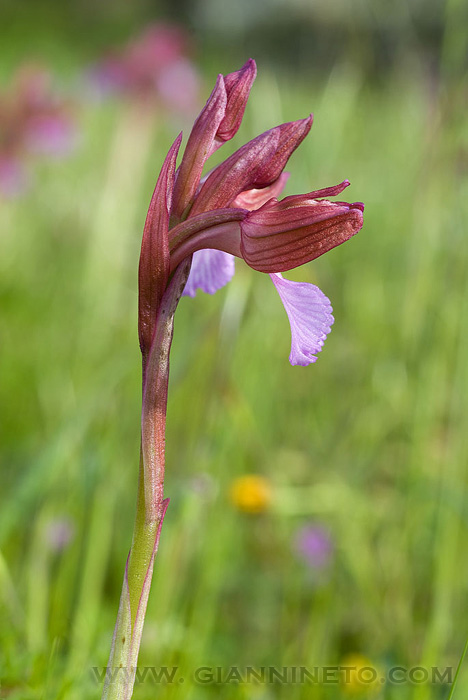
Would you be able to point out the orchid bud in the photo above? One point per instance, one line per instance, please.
(238, 85)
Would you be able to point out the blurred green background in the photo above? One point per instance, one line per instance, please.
(367, 449)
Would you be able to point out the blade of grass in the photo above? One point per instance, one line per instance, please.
(457, 673)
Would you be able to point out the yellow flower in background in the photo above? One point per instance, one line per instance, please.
(251, 493)
(360, 676)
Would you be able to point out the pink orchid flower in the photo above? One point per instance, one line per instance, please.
(234, 212)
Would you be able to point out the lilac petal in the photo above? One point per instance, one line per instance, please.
(211, 270)
(310, 317)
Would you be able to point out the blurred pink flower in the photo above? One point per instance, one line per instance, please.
(59, 533)
(46, 122)
(50, 134)
(178, 85)
(33, 120)
(155, 66)
(13, 177)
(314, 545)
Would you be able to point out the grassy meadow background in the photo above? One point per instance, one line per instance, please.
(369, 444)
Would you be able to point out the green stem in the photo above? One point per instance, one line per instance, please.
(141, 552)
(151, 506)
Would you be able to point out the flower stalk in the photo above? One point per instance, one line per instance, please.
(151, 504)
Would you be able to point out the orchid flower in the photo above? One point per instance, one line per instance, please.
(233, 211)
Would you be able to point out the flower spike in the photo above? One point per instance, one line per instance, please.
(233, 211)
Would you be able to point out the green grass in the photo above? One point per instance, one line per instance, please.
(370, 442)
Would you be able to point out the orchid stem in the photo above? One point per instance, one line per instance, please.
(151, 505)
(144, 536)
